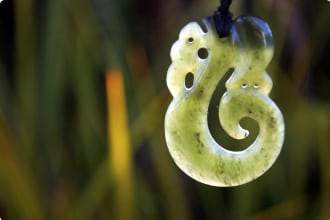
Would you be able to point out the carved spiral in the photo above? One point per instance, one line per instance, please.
(206, 57)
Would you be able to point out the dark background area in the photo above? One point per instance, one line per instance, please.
(55, 156)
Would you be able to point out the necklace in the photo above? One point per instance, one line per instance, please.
(245, 47)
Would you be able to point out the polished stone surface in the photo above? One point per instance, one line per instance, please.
(248, 50)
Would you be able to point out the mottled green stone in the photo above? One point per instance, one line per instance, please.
(248, 50)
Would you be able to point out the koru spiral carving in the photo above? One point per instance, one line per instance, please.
(247, 50)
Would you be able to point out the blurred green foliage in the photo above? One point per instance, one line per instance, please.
(53, 130)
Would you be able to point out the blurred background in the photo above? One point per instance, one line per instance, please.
(82, 104)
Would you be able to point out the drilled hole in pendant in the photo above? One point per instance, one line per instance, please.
(202, 53)
(203, 27)
(189, 80)
(244, 86)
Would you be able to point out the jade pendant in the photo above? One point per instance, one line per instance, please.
(247, 51)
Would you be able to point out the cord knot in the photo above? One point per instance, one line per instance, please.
(223, 19)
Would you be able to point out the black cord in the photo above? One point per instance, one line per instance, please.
(223, 18)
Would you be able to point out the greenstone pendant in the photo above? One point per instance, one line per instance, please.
(247, 50)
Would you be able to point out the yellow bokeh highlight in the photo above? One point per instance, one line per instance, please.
(120, 151)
